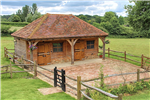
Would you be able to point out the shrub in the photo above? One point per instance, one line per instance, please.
(5, 30)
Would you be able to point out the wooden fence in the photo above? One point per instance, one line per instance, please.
(19, 61)
(143, 61)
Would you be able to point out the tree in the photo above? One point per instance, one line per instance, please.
(83, 17)
(11, 17)
(139, 16)
(16, 18)
(19, 13)
(25, 12)
(98, 19)
(121, 20)
(34, 8)
(116, 26)
(100, 27)
(108, 26)
(36, 15)
(109, 15)
(31, 17)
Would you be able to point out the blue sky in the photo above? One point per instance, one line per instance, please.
(90, 7)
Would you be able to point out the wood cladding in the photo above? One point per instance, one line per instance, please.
(20, 47)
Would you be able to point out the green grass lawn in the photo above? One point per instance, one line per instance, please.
(141, 95)
(132, 46)
(19, 88)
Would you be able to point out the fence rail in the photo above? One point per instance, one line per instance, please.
(21, 63)
(126, 58)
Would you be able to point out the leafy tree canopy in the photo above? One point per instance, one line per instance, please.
(139, 16)
(16, 19)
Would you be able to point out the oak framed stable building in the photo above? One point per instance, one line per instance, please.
(58, 38)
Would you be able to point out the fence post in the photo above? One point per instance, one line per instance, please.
(35, 69)
(78, 87)
(125, 55)
(108, 52)
(63, 80)
(102, 80)
(10, 69)
(138, 75)
(13, 57)
(142, 61)
(55, 76)
(4, 51)
(119, 96)
(22, 61)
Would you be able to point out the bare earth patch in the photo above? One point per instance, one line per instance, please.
(90, 71)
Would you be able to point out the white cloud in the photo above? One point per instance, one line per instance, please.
(96, 7)
(10, 10)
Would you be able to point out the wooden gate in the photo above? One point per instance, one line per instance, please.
(79, 50)
(44, 57)
(59, 78)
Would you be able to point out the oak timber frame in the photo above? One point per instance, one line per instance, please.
(31, 51)
(72, 43)
(103, 40)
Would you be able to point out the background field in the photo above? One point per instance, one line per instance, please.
(132, 46)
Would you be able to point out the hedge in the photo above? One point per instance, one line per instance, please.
(20, 24)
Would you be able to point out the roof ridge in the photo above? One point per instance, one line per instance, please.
(38, 25)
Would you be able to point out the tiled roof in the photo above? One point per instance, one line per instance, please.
(58, 26)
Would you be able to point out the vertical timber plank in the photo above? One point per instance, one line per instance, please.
(55, 76)
(138, 75)
(142, 61)
(108, 52)
(120, 97)
(125, 56)
(35, 69)
(10, 69)
(78, 87)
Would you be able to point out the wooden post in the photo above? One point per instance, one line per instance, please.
(10, 69)
(125, 56)
(108, 52)
(35, 69)
(120, 97)
(102, 80)
(72, 43)
(4, 51)
(22, 61)
(6, 68)
(138, 75)
(142, 61)
(13, 57)
(31, 52)
(55, 76)
(63, 80)
(104, 50)
(78, 87)
(72, 52)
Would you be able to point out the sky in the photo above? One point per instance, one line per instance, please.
(90, 7)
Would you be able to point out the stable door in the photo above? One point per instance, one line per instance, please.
(79, 50)
(44, 57)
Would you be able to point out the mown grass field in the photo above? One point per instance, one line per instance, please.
(132, 46)
(20, 88)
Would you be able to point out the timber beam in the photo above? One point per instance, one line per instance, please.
(72, 43)
(103, 40)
